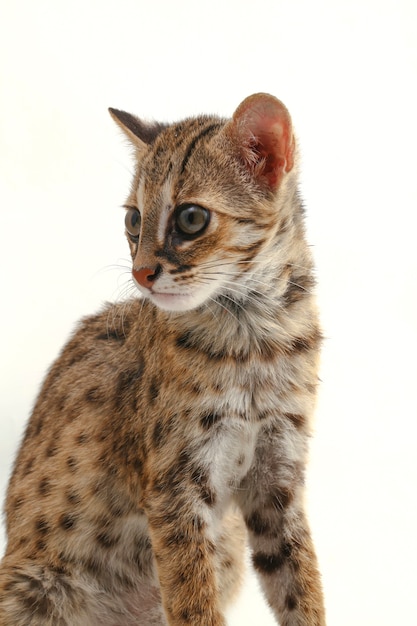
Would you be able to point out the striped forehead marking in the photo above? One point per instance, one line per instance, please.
(166, 206)
(160, 208)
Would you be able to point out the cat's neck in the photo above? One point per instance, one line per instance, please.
(257, 323)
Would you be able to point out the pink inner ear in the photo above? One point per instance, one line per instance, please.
(264, 129)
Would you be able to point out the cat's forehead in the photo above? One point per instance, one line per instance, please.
(177, 134)
(178, 140)
(169, 157)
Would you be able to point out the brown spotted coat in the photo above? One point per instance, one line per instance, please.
(170, 422)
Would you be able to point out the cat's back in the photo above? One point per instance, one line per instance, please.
(86, 392)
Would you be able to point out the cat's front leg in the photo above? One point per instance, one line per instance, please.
(183, 549)
(283, 555)
(287, 567)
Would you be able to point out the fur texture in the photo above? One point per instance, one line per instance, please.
(173, 423)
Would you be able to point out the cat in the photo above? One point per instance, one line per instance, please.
(174, 424)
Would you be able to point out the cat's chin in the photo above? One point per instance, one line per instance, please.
(174, 302)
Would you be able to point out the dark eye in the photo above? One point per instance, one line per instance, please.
(191, 219)
(132, 222)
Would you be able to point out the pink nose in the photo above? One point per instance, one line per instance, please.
(146, 276)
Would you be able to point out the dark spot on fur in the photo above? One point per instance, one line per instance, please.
(137, 465)
(106, 540)
(180, 269)
(244, 220)
(23, 541)
(67, 521)
(298, 420)
(186, 615)
(112, 335)
(176, 537)
(173, 477)
(60, 402)
(298, 287)
(45, 487)
(127, 386)
(200, 478)
(210, 419)
(183, 459)
(188, 342)
(72, 464)
(185, 341)
(168, 253)
(28, 466)
(40, 545)
(41, 526)
(82, 438)
(60, 570)
(291, 603)
(18, 502)
(153, 390)
(267, 563)
(52, 449)
(73, 497)
(263, 415)
(182, 534)
(158, 433)
(37, 424)
(304, 344)
(142, 554)
(95, 395)
(252, 248)
(258, 525)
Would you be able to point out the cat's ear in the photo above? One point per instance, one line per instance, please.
(139, 133)
(262, 127)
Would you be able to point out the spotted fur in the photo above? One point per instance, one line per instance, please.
(171, 422)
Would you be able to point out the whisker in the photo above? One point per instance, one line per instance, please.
(220, 273)
(273, 303)
(224, 307)
(115, 266)
(246, 293)
(253, 262)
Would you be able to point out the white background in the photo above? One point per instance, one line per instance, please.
(347, 71)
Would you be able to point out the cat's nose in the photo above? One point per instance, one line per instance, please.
(146, 276)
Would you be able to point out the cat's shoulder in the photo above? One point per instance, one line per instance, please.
(112, 324)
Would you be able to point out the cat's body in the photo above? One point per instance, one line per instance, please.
(163, 414)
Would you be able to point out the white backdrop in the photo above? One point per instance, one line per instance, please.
(347, 71)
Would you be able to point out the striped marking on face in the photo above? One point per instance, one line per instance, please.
(163, 211)
(167, 205)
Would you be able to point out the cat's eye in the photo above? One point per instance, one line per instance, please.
(132, 222)
(191, 219)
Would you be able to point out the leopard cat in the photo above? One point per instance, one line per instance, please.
(173, 427)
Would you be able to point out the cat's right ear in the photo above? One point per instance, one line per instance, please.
(262, 128)
(139, 133)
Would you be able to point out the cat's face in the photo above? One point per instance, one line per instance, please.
(202, 206)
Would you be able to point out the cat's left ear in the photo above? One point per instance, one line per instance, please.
(262, 126)
(139, 133)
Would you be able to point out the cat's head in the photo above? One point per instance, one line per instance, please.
(208, 197)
